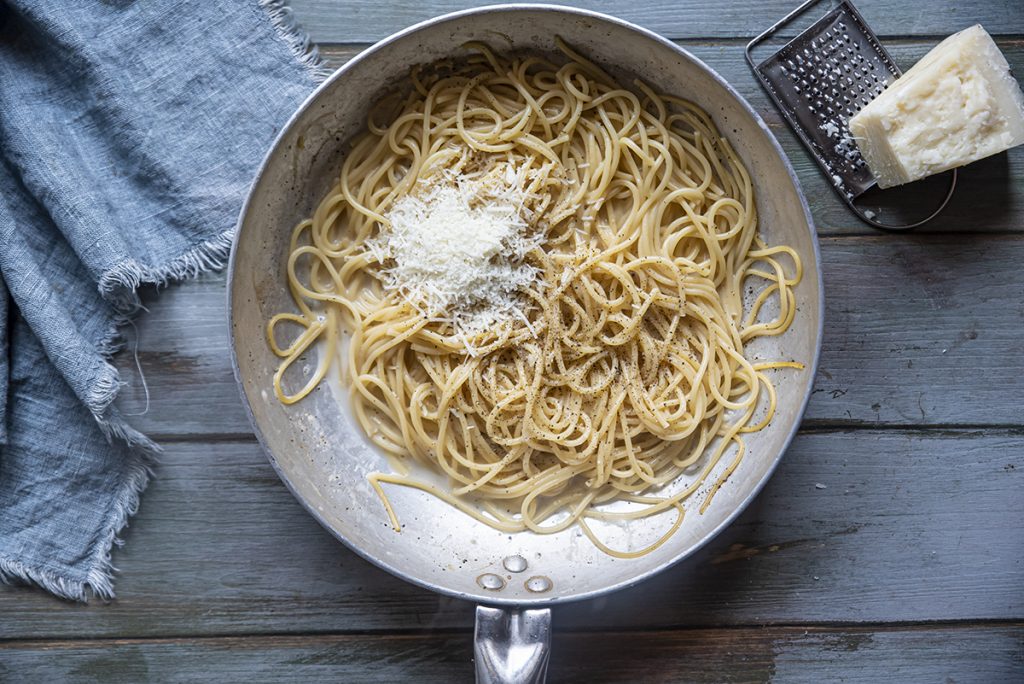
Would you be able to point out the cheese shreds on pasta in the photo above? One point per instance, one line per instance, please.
(456, 250)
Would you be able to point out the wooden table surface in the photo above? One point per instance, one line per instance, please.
(887, 547)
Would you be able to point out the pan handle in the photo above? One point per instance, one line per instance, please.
(512, 646)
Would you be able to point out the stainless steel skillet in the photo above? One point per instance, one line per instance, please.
(321, 455)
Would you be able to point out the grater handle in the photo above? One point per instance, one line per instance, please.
(907, 226)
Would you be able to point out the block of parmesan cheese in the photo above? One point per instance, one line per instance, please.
(957, 105)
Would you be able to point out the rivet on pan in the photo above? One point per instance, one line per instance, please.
(490, 581)
(514, 563)
(538, 584)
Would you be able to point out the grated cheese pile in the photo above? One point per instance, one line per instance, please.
(456, 249)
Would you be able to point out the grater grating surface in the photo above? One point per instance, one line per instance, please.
(821, 79)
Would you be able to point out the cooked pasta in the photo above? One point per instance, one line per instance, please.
(616, 362)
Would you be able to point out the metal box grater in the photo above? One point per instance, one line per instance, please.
(819, 80)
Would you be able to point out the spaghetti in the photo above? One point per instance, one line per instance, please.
(620, 366)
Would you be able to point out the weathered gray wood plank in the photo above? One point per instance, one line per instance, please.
(983, 654)
(908, 527)
(345, 21)
(990, 195)
(919, 330)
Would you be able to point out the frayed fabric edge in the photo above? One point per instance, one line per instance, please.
(283, 20)
(119, 285)
(12, 572)
(105, 387)
(99, 579)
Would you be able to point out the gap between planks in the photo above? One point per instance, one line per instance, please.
(1005, 41)
(987, 654)
(773, 629)
(347, 21)
(807, 427)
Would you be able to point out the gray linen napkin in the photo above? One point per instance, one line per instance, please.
(129, 134)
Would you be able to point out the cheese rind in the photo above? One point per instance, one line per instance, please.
(957, 105)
